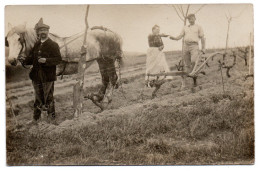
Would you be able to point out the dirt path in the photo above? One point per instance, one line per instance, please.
(21, 93)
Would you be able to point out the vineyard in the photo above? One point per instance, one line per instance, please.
(212, 123)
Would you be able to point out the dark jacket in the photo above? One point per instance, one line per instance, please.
(44, 72)
(155, 40)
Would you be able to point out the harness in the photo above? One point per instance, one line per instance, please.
(90, 60)
(23, 44)
(6, 42)
(65, 62)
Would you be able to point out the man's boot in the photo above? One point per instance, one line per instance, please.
(36, 112)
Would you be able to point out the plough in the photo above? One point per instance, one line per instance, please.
(194, 74)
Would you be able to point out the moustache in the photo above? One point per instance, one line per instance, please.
(43, 34)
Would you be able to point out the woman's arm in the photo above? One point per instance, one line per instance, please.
(181, 35)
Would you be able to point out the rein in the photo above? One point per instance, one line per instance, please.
(23, 43)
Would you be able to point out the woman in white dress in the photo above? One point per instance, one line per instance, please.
(156, 61)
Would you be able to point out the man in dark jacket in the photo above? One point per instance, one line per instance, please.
(44, 57)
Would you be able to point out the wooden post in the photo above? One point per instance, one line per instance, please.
(78, 87)
(229, 20)
(250, 55)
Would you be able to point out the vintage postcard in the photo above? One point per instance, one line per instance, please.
(162, 84)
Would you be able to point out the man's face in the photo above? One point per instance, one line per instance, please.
(192, 20)
(43, 32)
(156, 30)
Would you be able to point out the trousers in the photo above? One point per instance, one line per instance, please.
(44, 99)
(191, 52)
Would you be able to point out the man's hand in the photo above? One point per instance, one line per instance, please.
(21, 59)
(203, 51)
(164, 35)
(161, 48)
(42, 60)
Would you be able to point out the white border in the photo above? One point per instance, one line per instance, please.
(2, 82)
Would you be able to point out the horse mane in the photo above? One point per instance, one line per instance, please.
(30, 38)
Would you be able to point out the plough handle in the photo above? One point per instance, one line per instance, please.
(201, 66)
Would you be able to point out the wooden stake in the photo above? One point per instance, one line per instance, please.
(78, 87)
(229, 20)
(249, 56)
(222, 78)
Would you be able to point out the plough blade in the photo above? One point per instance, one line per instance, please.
(172, 73)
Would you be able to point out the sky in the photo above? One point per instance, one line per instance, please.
(134, 22)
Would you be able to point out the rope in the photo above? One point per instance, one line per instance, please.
(66, 52)
(64, 68)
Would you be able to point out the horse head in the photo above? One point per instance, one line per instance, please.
(20, 41)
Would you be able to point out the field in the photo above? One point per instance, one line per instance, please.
(200, 126)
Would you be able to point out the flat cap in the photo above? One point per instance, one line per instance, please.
(191, 15)
(41, 25)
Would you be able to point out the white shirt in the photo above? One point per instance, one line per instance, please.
(192, 33)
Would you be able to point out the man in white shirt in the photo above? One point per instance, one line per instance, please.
(191, 34)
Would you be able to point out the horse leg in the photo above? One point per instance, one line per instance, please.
(109, 93)
(97, 98)
(112, 83)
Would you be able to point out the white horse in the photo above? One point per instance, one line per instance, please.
(101, 42)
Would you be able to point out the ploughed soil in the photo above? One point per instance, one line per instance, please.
(212, 123)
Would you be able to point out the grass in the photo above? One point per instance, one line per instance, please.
(214, 129)
(194, 132)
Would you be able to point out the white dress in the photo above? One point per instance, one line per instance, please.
(156, 63)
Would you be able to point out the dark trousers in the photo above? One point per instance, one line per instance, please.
(108, 74)
(43, 98)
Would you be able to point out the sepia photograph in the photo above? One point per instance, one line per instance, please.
(129, 84)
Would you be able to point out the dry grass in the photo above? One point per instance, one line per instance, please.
(196, 132)
(186, 128)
